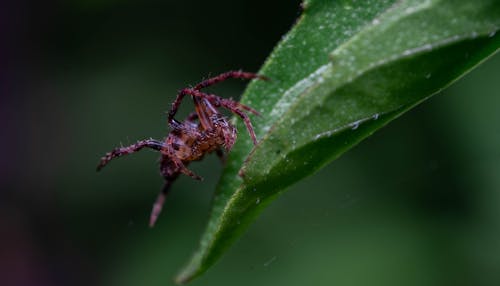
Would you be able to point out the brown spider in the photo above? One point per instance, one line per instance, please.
(204, 131)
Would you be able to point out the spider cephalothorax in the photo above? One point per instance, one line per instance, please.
(204, 131)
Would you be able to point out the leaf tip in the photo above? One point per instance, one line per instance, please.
(192, 270)
(184, 276)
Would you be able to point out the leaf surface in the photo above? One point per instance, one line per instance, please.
(345, 70)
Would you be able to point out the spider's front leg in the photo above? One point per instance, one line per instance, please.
(227, 75)
(211, 81)
(211, 100)
(118, 152)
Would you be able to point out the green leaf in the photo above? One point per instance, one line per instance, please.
(345, 70)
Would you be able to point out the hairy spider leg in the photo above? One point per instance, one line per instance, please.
(205, 111)
(227, 75)
(232, 105)
(209, 82)
(214, 99)
(175, 106)
(245, 118)
(158, 204)
(218, 101)
(118, 152)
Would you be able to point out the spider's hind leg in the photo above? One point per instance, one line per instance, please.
(158, 204)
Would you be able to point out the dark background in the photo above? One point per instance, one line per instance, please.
(415, 204)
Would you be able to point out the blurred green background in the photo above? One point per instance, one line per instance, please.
(415, 204)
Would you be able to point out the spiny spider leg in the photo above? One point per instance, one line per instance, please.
(247, 122)
(209, 82)
(118, 152)
(225, 76)
(245, 107)
(218, 101)
(176, 125)
(176, 104)
(158, 205)
(180, 96)
(233, 106)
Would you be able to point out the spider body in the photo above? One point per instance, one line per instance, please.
(204, 131)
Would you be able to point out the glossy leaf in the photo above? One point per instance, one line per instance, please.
(346, 69)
